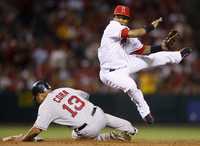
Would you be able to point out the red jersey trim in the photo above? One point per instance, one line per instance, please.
(124, 33)
(140, 51)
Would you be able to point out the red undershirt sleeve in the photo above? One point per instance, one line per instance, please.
(124, 33)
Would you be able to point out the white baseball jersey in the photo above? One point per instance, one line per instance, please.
(65, 106)
(113, 51)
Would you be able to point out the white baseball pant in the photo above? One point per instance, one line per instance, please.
(121, 79)
(99, 121)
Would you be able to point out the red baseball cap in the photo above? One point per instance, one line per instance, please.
(122, 10)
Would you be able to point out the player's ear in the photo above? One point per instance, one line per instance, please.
(39, 98)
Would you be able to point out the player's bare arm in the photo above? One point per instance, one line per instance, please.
(142, 31)
(122, 15)
(132, 33)
(29, 136)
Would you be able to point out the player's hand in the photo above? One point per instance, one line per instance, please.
(18, 137)
(38, 139)
(156, 22)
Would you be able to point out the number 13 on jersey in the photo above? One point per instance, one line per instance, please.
(73, 104)
(77, 105)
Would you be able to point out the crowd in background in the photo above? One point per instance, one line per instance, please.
(57, 41)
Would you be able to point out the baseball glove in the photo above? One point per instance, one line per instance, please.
(169, 42)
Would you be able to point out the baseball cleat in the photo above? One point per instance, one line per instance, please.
(185, 52)
(120, 135)
(149, 119)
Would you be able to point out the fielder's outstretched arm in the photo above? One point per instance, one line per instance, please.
(167, 44)
(142, 31)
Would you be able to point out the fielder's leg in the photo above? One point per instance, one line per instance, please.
(142, 106)
(137, 63)
(164, 57)
(140, 62)
(120, 79)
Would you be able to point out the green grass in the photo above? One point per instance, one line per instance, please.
(145, 132)
(169, 132)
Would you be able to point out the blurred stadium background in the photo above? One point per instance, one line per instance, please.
(57, 41)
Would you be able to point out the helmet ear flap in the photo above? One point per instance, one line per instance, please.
(47, 86)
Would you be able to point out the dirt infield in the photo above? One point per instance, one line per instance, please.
(109, 143)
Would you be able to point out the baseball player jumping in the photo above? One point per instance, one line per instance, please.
(70, 107)
(122, 54)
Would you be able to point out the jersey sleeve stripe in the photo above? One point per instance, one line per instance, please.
(138, 51)
(124, 33)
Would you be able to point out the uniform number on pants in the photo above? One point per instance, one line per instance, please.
(77, 103)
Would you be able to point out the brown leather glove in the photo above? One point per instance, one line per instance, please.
(169, 42)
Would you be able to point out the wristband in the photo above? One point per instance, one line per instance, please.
(149, 28)
(156, 48)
